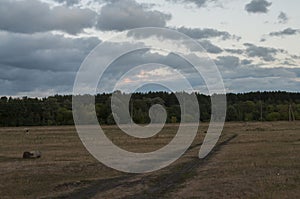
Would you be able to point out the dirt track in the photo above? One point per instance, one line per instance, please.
(167, 181)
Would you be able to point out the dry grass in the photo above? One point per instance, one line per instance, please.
(263, 161)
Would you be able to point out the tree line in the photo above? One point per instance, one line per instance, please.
(57, 110)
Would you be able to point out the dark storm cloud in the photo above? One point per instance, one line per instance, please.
(35, 75)
(34, 16)
(285, 32)
(283, 18)
(21, 81)
(258, 6)
(209, 47)
(44, 51)
(41, 63)
(197, 33)
(127, 14)
(265, 53)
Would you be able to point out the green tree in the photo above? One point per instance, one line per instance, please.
(274, 116)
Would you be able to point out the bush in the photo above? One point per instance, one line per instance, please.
(274, 116)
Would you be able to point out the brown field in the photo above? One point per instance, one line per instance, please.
(251, 160)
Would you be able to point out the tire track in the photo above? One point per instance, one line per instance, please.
(174, 178)
(167, 182)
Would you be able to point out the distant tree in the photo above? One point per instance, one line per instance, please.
(232, 114)
(110, 119)
(274, 116)
(173, 119)
(57, 110)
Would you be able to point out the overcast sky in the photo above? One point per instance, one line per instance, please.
(255, 43)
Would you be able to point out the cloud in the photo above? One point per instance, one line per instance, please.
(195, 33)
(68, 2)
(35, 83)
(249, 84)
(23, 71)
(122, 15)
(44, 51)
(246, 62)
(285, 32)
(235, 51)
(263, 40)
(288, 62)
(228, 62)
(205, 33)
(40, 64)
(198, 3)
(32, 16)
(255, 71)
(283, 18)
(265, 53)
(258, 6)
(140, 57)
(242, 76)
(295, 56)
(235, 72)
(209, 47)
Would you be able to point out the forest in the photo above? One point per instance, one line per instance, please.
(57, 110)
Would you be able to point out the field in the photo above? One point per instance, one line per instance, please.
(251, 160)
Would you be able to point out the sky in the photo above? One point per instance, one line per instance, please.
(254, 43)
